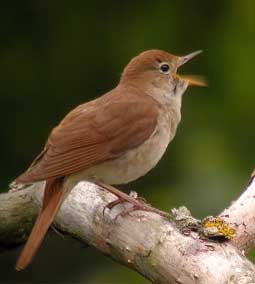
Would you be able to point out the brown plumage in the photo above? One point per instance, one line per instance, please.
(95, 132)
(115, 138)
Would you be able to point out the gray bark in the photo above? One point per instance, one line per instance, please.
(144, 241)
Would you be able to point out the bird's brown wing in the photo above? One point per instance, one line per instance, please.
(95, 132)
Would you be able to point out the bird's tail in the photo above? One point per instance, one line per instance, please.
(53, 197)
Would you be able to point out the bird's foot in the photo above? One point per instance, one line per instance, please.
(121, 200)
(141, 207)
(138, 203)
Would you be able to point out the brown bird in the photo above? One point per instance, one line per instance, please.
(113, 139)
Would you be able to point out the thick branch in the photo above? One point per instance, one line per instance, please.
(241, 216)
(144, 241)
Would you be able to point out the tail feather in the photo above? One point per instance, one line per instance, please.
(53, 197)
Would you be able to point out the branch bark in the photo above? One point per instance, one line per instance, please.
(241, 216)
(144, 241)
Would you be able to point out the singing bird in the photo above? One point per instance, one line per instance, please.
(113, 139)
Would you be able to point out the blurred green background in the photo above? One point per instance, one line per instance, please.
(55, 55)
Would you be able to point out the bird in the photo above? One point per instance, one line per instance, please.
(111, 140)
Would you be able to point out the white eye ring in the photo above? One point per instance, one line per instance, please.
(164, 68)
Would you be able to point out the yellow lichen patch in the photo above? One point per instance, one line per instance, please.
(214, 227)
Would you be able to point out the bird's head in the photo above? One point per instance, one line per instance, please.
(156, 70)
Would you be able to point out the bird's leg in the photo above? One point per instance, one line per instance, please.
(138, 203)
(115, 202)
(120, 200)
(121, 195)
(142, 207)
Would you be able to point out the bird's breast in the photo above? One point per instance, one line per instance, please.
(138, 161)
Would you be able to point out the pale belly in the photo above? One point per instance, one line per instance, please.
(135, 162)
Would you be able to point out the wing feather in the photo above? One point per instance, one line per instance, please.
(95, 132)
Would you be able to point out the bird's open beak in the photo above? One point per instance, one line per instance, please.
(183, 59)
(193, 80)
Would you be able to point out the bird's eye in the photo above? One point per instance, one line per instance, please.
(164, 68)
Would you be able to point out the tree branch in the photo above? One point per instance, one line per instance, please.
(241, 215)
(143, 241)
